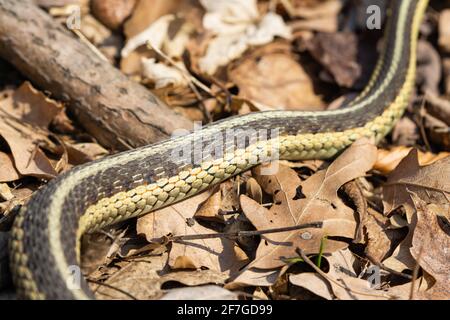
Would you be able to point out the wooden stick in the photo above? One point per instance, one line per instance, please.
(117, 111)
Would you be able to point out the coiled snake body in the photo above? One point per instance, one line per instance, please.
(45, 236)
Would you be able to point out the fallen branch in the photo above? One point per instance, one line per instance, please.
(118, 112)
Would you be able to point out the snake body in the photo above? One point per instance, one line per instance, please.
(45, 237)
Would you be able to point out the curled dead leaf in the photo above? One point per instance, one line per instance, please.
(223, 200)
(342, 281)
(297, 202)
(430, 183)
(431, 246)
(387, 160)
(254, 190)
(275, 80)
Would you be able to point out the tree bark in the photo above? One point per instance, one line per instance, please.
(118, 112)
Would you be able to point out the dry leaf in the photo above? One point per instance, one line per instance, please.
(430, 183)
(389, 159)
(112, 13)
(159, 35)
(421, 285)
(33, 106)
(5, 192)
(236, 26)
(58, 3)
(195, 278)
(94, 31)
(312, 282)
(80, 153)
(437, 130)
(254, 190)
(275, 80)
(313, 200)
(19, 197)
(401, 258)
(146, 12)
(140, 279)
(379, 238)
(431, 247)
(444, 30)
(7, 170)
(446, 67)
(438, 107)
(429, 68)
(254, 277)
(229, 17)
(437, 119)
(322, 17)
(223, 199)
(312, 165)
(319, 8)
(95, 248)
(215, 253)
(342, 282)
(24, 119)
(61, 123)
(211, 207)
(355, 193)
(163, 75)
(155, 34)
(341, 54)
(405, 133)
(200, 293)
(144, 278)
(259, 294)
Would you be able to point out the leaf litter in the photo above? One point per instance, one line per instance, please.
(383, 212)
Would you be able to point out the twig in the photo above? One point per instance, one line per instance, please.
(421, 124)
(93, 48)
(113, 288)
(394, 272)
(183, 71)
(68, 10)
(228, 95)
(325, 276)
(355, 193)
(239, 234)
(191, 80)
(109, 105)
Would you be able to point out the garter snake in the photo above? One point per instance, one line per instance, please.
(45, 236)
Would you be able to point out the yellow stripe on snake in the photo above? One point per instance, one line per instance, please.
(45, 236)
